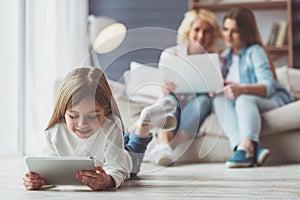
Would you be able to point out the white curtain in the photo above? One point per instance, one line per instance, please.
(55, 42)
(9, 63)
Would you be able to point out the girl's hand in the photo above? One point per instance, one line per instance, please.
(97, 180)
(168, 87)
(232, 90)
(32, 181)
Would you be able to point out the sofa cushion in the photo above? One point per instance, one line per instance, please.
(143, 83)
(211, 127)
(281, 119)
(289, 79)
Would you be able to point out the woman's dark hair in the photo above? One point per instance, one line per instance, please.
(249, 32)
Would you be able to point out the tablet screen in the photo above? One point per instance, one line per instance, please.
(59, 170)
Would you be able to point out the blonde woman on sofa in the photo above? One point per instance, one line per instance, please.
(198, 33)
(250, 88)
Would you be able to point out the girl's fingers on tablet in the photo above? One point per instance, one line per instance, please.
(99, 169)
(34, 186)
(99, 183)
(93, 174)
(31, 175)
(31, 184)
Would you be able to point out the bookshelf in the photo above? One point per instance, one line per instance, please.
(223, 6)
(295, 32)
(292, 7)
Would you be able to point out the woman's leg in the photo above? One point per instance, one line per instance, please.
(193, 115)
(166, 136)
(248, 109)
(162, 153)
(225, 112)
(226, 115)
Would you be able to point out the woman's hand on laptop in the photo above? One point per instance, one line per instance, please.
(216, 93)
(168, 87)
(231, 90)
(32, 181)
(96, 180)
(219, 91)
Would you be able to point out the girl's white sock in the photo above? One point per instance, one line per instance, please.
(158, 116)
(157, 111)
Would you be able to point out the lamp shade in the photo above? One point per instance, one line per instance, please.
(105, 33)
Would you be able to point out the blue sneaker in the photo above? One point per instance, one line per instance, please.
(240, 159)
(262, 155)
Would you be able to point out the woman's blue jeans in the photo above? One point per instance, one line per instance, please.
(191, 116)
(240, 118)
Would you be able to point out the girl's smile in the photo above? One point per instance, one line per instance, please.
(85, 118)
(83, 132)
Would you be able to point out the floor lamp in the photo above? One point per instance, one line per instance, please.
(105, 35)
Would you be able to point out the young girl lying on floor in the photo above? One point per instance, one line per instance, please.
(86, 122)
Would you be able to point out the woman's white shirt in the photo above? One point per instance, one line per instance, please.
(234, 72)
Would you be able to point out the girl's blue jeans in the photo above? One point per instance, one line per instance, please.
(136, 147)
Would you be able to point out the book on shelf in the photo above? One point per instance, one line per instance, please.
(282, 32)
(273, 34)
(278, 34)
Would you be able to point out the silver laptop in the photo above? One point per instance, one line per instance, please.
(59, 170)
(194, 73)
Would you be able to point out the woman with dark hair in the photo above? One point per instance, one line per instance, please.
(250, 88)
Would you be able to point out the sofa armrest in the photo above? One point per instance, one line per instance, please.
(289, 79)
(281, 119)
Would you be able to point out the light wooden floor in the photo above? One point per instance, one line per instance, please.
(175, 182)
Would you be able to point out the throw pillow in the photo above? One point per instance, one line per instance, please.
(283, 77)
(143, 83)
(289, 78)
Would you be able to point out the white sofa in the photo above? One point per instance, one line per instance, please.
(280, 131)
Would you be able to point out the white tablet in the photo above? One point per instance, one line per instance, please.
(59, 170)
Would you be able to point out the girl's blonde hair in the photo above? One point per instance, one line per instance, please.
(248, 29)
(186, 25)
(81, 83)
